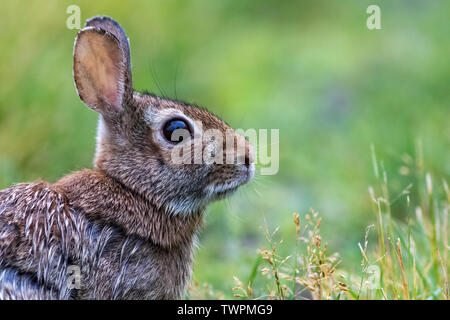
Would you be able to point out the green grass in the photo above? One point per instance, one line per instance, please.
(309, 68)
(405, 260)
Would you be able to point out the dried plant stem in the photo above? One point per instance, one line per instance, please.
(444, 271)
(402, 269)
(432, 216)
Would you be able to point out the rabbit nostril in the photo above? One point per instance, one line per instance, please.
(249, 156)
(247, 160)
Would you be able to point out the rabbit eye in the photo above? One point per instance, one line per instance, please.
(176, 130)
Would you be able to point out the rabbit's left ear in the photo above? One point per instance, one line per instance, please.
(102, 67)
(112, 26)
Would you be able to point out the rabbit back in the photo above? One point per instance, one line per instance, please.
(43, 238)
(35, 223)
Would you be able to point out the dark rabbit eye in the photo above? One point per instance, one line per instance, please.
(176, 130)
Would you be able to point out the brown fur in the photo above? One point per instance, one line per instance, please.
(129, 224)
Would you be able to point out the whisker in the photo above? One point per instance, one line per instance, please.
(175, 80)
(156, 81)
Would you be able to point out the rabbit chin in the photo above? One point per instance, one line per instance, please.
(196, 202)
(220, 190)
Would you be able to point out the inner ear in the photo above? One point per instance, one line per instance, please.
(111, 26)
(100, 69)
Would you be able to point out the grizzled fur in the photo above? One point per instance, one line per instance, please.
(46, 229)
(129, 224)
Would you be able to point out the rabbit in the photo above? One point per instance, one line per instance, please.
(126, 229)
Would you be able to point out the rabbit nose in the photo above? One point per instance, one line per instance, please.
(247, 161)
(249, 155)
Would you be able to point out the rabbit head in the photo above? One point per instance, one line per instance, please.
(154, 146)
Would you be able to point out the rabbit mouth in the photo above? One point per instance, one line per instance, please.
(223, 190)
(225, 193)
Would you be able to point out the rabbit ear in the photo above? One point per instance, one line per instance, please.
(112, 26)
(101, 69)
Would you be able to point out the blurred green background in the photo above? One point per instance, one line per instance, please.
(309, 68)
